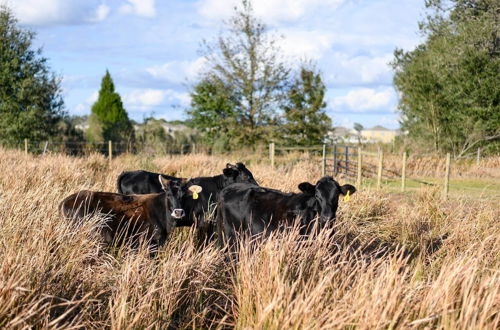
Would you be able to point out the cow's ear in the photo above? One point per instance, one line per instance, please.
(165, 183)
(347, 188)
(306, 187)
(229, 165)
(240, 165)
(229, 172)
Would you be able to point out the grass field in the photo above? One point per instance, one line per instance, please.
(396, 260)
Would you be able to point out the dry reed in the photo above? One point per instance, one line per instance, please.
(391, 261)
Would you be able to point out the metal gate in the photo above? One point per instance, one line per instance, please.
(344, 160)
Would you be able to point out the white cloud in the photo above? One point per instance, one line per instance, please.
(92, 98)
(145, 99)
(101, 13)
(51, 12)
(270, 11)
(145, 8)
(366, 99)
(309, 44)
(345, 69)
(369, 68)
(178, 71)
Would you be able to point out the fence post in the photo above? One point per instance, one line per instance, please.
(379, 172)
(447, 176)
(26, 146)
(271, 153)
(193, 150)
(358, 178)
(323, 167)
(478, 156)
(346, 159)
(45, 147)
(110, 150)
(403, 173)
(335, 168)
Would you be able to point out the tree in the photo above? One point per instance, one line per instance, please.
(306, 122)
(109, 120)
(450, 96)
(213, 111)
(358, 128)
(31, 104)
(245, 62)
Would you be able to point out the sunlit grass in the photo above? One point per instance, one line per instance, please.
(393, 260)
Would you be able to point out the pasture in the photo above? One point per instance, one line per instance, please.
(396, 260)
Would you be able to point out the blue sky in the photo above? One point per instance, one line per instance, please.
(151, 48)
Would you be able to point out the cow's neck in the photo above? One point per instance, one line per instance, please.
(220, 182)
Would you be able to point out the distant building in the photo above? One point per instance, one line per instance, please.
(343, 134)
(379, 134)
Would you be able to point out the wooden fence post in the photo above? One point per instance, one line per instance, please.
(335, 167)
(45, 147)
(478, 157)
(447, 176)
(346, 159)
(403, 173)
(271, 153)
(323, 167)
(193, 149)
(360, 166)
(26, 146)
(110, 150)
(379, 172)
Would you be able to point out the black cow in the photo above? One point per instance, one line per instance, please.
(138, 182)
(130, 216)
(251, 210)
(141, 182)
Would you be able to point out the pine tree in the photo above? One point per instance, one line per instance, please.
(306, 122)
(109, 120)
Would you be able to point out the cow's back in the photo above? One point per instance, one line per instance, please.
(250, 209)
(141, 182)
(77, 205)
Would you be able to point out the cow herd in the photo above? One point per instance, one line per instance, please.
(150, 205)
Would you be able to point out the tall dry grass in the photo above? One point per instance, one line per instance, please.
(392, 261)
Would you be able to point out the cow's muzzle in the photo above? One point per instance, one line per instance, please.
(177, 213)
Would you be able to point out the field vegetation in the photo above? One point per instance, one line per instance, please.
(394, 261)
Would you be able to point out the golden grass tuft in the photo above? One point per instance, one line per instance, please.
(392, 261)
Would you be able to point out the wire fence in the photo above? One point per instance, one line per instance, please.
(398, 172)
(80, 148)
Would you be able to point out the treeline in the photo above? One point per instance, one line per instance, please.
(251, 94)
(32, 106)
(450, 84)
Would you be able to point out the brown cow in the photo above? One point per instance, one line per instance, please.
(130, 216)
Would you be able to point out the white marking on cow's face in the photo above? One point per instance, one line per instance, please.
(177, 213)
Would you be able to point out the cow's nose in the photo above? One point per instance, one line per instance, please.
(178, 213)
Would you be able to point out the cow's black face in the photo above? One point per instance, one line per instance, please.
(326, 193)
(238, 174)
(173, 195)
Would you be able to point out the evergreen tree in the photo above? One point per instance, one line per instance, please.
(449, 85)
(213, 111)
(109, 120)
(31, 105)
(306, 122)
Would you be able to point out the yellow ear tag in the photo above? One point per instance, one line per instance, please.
(195, 195)
(347, 197)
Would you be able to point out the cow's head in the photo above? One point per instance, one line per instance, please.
(174, 191)
(238, 173)
(326, 193)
